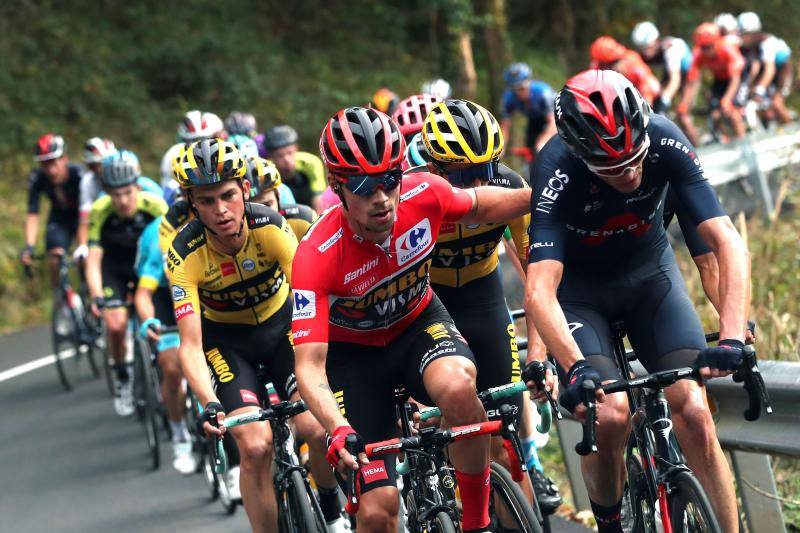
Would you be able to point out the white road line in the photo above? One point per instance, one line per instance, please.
(33, 365)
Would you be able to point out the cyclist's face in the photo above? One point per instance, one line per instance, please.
(628, 181)
(522, 90)
(124, 199)
(269, 199)
(284, 160)
(55, 169)
(650, 50)
(96, 168)
(221, 206)
(374, 215)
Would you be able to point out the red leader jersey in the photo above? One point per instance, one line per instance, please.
(347, 289)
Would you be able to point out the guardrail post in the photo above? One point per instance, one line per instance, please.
(570, 433)
(757, 177)
(755, 480)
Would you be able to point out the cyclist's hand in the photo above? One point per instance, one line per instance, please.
(338, 456)
(726, 104)
(550, 382)
(750, 333)
(721, 360)
(80, 253)
(150, 329)
(26, 256)
(570, 397)
(97, 306)
(682, 109)
(211, 420)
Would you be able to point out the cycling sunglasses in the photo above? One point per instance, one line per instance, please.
(367, 184)
(463, 177)
(618, 170)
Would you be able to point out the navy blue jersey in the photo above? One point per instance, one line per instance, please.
(582, 222)
(537, 108)
(64, 198)
(694, 242)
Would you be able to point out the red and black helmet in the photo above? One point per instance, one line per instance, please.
(601, 117)
(49, 146)
(411, 112)
(361, 140)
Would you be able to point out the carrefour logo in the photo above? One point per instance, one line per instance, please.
(304, 305)
(413, 242)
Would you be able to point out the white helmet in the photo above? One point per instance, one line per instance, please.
(96, 149)
(197, 125)
(727, 23)
(438, 87)
(749, 22)
(644, 34)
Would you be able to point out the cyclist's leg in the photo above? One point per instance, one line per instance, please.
(440, 369)
(58, 236)
(362, 379)
(239, 391)
(781, 86)
(666, 328)
(115, 315)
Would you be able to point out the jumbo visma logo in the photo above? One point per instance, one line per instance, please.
(414, 242)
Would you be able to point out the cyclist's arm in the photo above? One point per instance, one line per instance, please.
(94, 276)
(31, 228)
(519, 233)
(143, 300)
(549, 131)
(496, 204)
(733, 86)
(767, 73)
(192, 357)
(734, 275)
(673, 84)
(312, 381)
(545, 313)
(708, 268)
(284, 245)
(511, 252)
(149, 269)
(505, 127)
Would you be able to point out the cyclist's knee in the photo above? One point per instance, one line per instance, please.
(116, 323)
(378, 510)
(255, 447)
(453, 394)
(170, 369)
(613, 418)
(690, 412)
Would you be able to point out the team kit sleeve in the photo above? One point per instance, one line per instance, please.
(97, 217)
(86, 190)
(309, 296)
(547, 231)
(519, 232)
(184, 285)
(34, 191)
(284, 246)
(149, 258)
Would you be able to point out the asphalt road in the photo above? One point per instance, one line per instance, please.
(70, 464)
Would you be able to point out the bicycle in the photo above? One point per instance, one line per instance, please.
(659, 481)
(298, 507)
(74, 336)
(430, 484)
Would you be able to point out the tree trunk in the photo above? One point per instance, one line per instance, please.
(467, 78)
(498, 45)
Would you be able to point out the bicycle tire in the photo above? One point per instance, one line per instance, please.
(639, 504)
(300, 506)
(689, 507)
(506, 490)
(65, 344)
(145, 402)
(442, 523)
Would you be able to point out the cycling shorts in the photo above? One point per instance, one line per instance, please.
(60, 232)
(242, 358)
(162, 303)
(364, 378)
(480, 313)
(718, 88)
(119, 278)
(661, 322)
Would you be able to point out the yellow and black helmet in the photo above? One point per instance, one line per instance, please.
(460, 131)
(207, 162)
(263, 175)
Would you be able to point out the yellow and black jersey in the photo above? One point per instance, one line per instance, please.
(116, 235)
(300, 217)
(178, 215)
(466, 252)
(246, 288)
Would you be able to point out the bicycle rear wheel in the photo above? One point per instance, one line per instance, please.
(638, 505)
(300, 502)
(689, 507)
(508, 506)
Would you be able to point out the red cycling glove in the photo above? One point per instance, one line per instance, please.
(336, 443)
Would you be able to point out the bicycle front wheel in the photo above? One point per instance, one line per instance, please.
(303, 518)
(638, 507)
(144, 385)
(689, 507)
(442, 523)
(66, 345)
(508, 506)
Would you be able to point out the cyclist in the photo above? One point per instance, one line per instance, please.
(726, 64)
(771, 75)
(116, 221)
(438, 88)
(599, 253)
(669, 55)
(464, 270)
(301, 171)
(365, 318)
(240, 123)
(94, 152)
(532, 98)
(384, 100)
(607, 53)
(728, 28)
(154, 308)
(196, 125)
(230, 270)
(59, 180)
(265, 188)
(411, 112)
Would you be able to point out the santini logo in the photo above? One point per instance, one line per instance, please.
(414, 242)
(363, 269)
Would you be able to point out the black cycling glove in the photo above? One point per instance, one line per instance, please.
(725, 356)
(570, 396)
(209, 415)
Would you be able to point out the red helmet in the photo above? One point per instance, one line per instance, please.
(49, 146)
(411, 112)
(606, 49)
(361, 140)
(706, 34)
(601, 117)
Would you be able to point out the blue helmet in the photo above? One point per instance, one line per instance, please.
(516, 73)
(416, 153)
(120, 169)
(246, 145)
